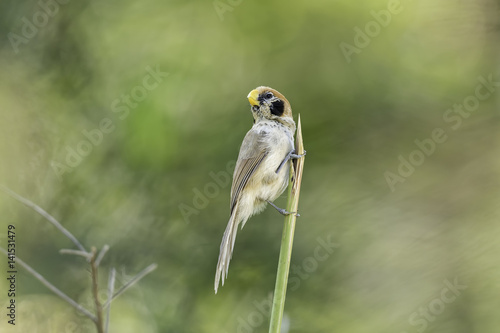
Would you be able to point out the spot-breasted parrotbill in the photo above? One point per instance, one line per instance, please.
(262, 170)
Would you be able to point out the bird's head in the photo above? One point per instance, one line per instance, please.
(270, 104)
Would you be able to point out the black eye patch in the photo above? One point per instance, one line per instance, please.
(277, 107)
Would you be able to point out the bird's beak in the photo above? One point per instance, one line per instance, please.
(253, 97)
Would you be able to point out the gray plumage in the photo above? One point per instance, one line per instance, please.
(255, 178)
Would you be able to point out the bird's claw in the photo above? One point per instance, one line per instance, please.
(282, 211)
(297, 156)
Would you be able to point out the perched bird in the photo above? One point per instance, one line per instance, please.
(262, 170)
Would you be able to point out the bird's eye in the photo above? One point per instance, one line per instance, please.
(268, 95)
(255, 108)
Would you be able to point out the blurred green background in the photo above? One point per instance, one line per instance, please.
(145, 184)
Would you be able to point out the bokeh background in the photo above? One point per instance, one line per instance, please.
(153, 185)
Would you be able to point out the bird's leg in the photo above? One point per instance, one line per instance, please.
(290, 156)
(281, 210)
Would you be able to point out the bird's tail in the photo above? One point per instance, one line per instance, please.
(226, 248)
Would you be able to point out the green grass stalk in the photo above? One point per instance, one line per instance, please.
(287, 237)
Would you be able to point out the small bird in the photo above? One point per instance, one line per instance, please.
(262, 170)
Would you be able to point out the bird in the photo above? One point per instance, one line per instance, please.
(262, 170)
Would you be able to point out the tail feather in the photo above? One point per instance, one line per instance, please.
(226, 249)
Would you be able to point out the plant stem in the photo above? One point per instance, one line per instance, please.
(133, 281)
(287, 237)
(95, 292)
(111, 288)
(42, 212)
(52, 288)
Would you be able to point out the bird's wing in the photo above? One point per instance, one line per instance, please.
(252, 153)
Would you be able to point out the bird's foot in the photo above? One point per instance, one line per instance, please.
(281, 210)
(297, 156)
(291, 155)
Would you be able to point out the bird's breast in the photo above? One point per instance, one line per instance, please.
(277, 141)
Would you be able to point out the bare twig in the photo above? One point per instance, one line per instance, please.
(95, 292)
(133, 281)
(92, 257)
(76, 253)
(42, 212)
(54, 289)
(111, 289)
(104, 250)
